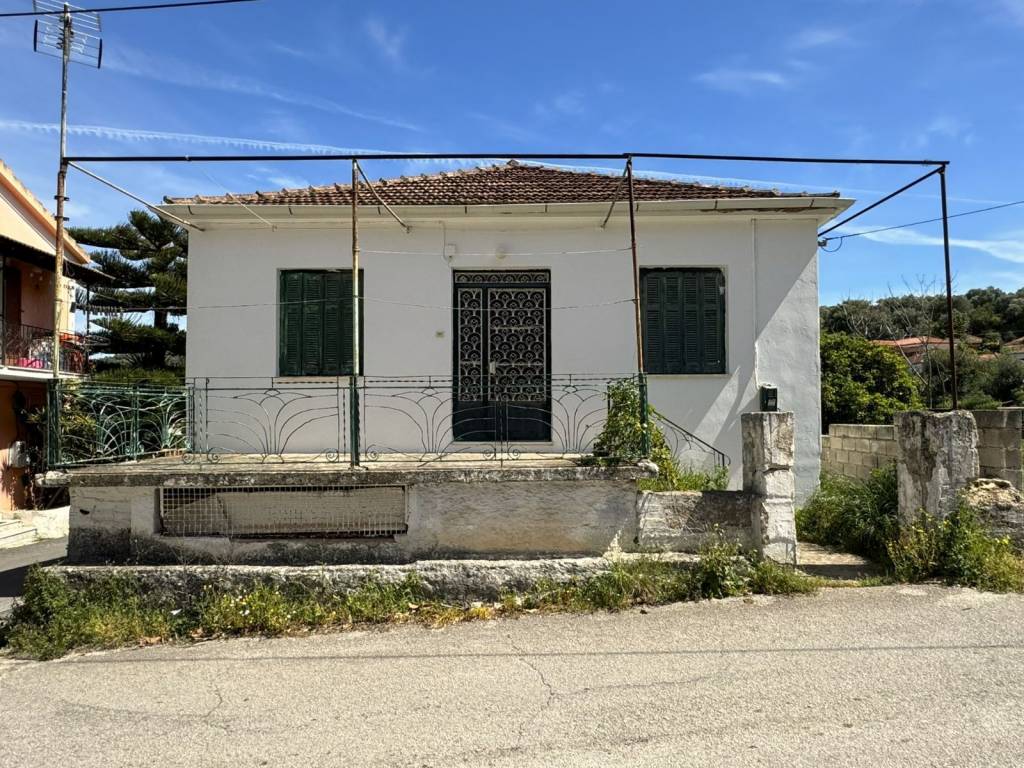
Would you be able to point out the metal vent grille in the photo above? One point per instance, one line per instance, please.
(284, 511)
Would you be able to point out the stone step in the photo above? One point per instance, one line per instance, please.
(14, 533)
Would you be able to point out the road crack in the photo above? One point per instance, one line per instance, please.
(551, 694)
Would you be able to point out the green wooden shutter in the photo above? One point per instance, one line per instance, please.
(672, 322)
(336, 286)
(712, 284)
(312, 323)
(691, 322)
(290, 313)
(653, 331)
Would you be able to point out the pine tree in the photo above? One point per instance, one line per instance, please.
(148, 257)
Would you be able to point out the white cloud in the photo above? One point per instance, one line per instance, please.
(947, 127)
(132, 61)
(140, 135)
(818, 37)
(567, 104)
(742, 80)
(389, 43)
(1008, 249)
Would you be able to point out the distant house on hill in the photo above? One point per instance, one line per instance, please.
(913, 348)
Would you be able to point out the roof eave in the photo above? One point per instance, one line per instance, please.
(822, 208)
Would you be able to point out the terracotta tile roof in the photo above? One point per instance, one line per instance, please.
(912, 341)
(509, 183)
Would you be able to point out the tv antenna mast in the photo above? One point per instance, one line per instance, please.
(73, 34)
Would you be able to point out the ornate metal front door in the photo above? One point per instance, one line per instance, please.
(502, 356)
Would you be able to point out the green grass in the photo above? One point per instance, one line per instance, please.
(959, 551)
(53, 618)
(861, 517)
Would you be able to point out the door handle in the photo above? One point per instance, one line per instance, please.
(492, 368)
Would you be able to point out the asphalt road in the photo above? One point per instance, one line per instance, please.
(915, 676)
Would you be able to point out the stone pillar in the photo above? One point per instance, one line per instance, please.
(936, 457)
(768, 448)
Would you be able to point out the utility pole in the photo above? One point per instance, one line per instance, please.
(62, 177)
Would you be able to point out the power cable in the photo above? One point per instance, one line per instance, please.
(114, 9)
(840, 238)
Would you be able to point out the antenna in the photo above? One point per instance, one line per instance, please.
(85, 46)
(73, 34)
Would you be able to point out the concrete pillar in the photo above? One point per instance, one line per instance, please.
(936, 457)
(768, 448)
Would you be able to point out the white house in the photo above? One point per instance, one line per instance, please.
(504, 286)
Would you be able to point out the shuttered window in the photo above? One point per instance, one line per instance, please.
(683, 313)
(315, 315)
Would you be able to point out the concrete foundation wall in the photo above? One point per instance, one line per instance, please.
(460, 512)
(483, 519)
(681, 521)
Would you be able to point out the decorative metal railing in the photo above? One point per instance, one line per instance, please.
(27, 346)
(688, 449)
(90, 423)
(376, 422)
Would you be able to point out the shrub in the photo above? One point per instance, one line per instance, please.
(622, 438)
(958, 550)
(859, 516)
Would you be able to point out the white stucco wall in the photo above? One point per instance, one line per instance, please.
(769, 261)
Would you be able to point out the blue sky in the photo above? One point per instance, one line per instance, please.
(898, 78)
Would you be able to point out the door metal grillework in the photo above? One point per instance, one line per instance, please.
(502, 356)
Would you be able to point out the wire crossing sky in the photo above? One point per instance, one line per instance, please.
(931, 80)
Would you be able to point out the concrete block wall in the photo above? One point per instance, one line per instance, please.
(999, 445)
(854, 450)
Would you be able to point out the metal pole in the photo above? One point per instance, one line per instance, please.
(949, 289)
(636, 269)
(62, 175)
(354, 378)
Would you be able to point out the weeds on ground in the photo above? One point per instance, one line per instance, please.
(861, 516)
(55, 617)
(958, 550)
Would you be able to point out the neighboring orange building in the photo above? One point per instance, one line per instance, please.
(27, 234)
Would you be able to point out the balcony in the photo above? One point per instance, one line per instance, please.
(31, 348)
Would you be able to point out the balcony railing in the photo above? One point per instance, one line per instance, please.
(30, 347)
(375, 421)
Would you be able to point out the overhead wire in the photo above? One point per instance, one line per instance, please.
(111, 309)
(840, 238)
(116, 8)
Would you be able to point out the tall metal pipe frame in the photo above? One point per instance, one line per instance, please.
(937, 167)
(354, 426)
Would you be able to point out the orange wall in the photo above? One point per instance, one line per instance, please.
(37, 298)
(12, 490)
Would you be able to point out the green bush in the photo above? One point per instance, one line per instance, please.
(622, 439)
(958, 550)
(859, 516)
